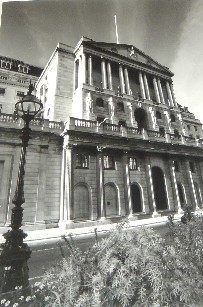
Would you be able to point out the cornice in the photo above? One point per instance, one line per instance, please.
(128, 62)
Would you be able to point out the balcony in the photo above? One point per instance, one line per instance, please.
(37, 124)
(83, 125)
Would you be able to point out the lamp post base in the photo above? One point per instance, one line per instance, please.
(14, 255)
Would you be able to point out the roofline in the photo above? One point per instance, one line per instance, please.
(59, 47)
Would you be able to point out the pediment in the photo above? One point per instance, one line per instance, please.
(130, 52)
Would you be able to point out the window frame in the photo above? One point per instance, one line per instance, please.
(134, 165)
(81, 161)
(108, 162)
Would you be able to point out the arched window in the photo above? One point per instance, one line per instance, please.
(110, 200)
(181, 194)
(158, 114)
(197, 193)
(136, 198)
(159, 188)
(141, 118)
(81, 202)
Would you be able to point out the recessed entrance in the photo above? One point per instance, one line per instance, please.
(110, 200)
(136, 198)
(159, 188)
(81, 202)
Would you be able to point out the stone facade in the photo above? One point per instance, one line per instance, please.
(127, 149)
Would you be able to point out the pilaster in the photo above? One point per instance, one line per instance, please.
(90, 70)
(121, 79)
(126, 179)
(127, 81)
(100, 183)
(160, 91)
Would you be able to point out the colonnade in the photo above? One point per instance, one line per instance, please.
(173, 198)
(86, 76)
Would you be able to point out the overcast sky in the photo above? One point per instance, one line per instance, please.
(170, 31)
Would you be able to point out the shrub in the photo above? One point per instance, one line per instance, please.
(130, 267)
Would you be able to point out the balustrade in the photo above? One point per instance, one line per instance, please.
(132, 130)
(7, 118)
(84, 123)
(111, 127)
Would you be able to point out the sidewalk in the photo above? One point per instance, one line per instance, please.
(39, 237)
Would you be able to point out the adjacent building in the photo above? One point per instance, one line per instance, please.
(112, 141)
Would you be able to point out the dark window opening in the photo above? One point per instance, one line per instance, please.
(195, 128)
(162, 131)
(20, 94)
(159, 188)
(120, 107)
(141, 118)
(172, 117)
(81, 161)
(99, 102)
(158, 115)
(2, 91)
(136, 198)
(188, 126)
(109, 162)
(176, 166)
(181, 195)
(100, 119)
(192, 166)
(122, 123)
(76, 73)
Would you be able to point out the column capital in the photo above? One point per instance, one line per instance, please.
(100, 148)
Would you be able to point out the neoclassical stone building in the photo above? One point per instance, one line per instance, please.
(117, 142)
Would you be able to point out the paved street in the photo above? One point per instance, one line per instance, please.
(44, 256)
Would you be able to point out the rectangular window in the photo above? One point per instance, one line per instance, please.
(132, 163)
(81, 161)
(2, 91)
(109, 162)
(20, 94)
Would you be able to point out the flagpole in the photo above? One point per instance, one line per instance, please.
(117, 41)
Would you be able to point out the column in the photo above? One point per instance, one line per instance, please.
(127, 81)
(121, 79)
(156, 90)
(169, 94)
(41, 192)
(103, 70)
(126, 179)
(174, 186)
(83, 68)
(150, 188)
(146, 87)
(100, 183)
(66, 211)
(90, 70)
(173, 95)
(109, 76)
(160, 91)
(142, 85)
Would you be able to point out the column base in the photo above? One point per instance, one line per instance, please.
(156, 214)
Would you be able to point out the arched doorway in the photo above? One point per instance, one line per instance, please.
(159, 188)
(136, 198)
(181, 194)
(81, 202)
(141, 118)
(110, 200)
(198, 195)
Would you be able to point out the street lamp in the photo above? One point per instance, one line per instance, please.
(14, 253)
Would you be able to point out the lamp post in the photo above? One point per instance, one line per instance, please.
(14, 253)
